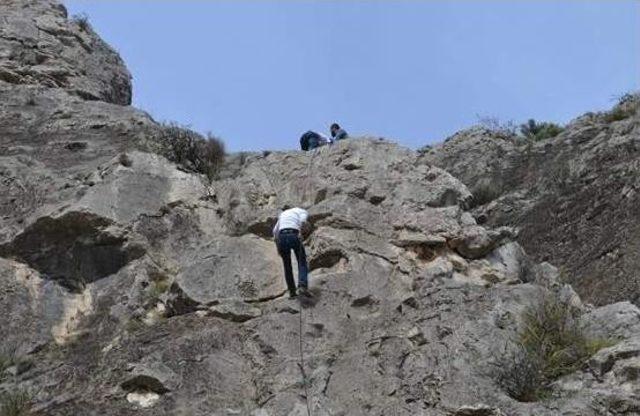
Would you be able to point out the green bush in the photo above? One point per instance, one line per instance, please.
(15, 403)
(540, 130)
(192, 151)
(550, 344)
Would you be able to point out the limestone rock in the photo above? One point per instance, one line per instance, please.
(478, 410)
(234, 311)
(618, 320)
(133, 286)
(40, 46)
(151, 377)
(574, 197)
(623, 356)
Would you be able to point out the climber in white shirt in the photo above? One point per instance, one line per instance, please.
(287, 236)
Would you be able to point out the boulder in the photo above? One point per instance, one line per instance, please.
(43, 47)
(616, 321)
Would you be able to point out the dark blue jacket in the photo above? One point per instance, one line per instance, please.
(340, 135)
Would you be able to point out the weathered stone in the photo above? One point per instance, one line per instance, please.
(233, 267)
(618, 320)
(112, 255)
(43, 47)
(235, 311)
(606, 359)
(151, 377)
(475, 242)
(573, 197)
(478, 410)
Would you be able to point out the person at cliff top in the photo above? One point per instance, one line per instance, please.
(287, 236)
(338, 133)
(311, 140)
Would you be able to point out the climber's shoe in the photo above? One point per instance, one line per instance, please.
(304, 292)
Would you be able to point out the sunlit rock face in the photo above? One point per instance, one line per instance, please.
(131, 285)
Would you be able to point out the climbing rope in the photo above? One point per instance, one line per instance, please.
(305, 381)
(301, 364)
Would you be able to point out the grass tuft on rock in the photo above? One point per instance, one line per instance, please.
(626, 107)
(82, 20)
(535, 130)
(156, 289)
(550, 345)
(15, 403)
(484, 192)
(8, 359)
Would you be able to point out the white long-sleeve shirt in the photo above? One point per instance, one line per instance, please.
(327, 140)
(290, 218)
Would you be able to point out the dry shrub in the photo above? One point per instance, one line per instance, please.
(484, 192)
(503, 129)
(192, 151)
(82, 20)
(550, 344)
(626, 107)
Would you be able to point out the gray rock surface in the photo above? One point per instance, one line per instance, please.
(574, 198)
(133, 287)
(40, 46)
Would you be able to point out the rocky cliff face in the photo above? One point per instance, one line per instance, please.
(575, 197)
(39, 46)
(129, 285)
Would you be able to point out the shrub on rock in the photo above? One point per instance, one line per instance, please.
(540, 130)
(191, 150)
(550, 344)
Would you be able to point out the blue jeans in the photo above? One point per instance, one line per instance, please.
(288, 241)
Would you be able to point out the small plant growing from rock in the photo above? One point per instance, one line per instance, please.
(497, 127)
(15, 403)
(484, 192)
(9, 358)
(125, 160)
(626, 107)
(82, 20)
(6, 361)
(213, 155)
(156, 289)
(549, 345)
(535, 130)
(134, 324)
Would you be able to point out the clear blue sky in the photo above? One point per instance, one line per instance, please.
(260, 73)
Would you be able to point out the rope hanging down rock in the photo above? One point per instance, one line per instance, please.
(301, 363)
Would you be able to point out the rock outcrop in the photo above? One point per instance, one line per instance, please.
(40, 46)
(574, 198)
(131, 285)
